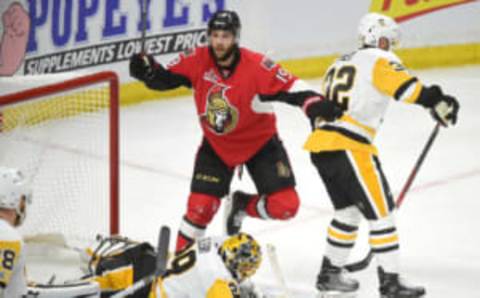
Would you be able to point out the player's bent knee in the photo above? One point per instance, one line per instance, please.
(201, 208)
(283, 204)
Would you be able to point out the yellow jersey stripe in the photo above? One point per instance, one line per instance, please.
(384, 240)
(342, 236)
(387, 78)
(371, 180)
(347, 118)
(322, 140)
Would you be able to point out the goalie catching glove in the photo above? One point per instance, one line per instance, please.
(444, 108)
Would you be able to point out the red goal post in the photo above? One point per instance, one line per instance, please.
(58, 122)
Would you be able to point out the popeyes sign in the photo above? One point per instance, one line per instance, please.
(402, 10)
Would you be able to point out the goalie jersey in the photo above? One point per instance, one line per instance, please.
(197, 272)
(12, 262)
(362, 84)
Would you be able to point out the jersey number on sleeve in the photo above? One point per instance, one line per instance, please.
(338, 82)
(8, 259)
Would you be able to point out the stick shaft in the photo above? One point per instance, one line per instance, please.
(417, 166)
(144, 23)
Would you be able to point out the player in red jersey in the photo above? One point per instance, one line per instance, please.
(233, 90)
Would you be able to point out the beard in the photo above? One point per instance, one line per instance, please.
(226, 55)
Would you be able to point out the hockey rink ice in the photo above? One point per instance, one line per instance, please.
(438, 222)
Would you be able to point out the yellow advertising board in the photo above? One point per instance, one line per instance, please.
(402, 10)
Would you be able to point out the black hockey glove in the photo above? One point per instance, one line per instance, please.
(446, 110)
(142, 66)
(443, 108)
(319, 109)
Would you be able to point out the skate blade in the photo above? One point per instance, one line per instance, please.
(336, 294)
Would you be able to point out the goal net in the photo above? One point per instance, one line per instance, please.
(62, 132)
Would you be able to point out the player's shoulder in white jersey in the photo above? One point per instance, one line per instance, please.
(12, 262)
(8, 233)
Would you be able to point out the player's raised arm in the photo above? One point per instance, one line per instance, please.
(154, 75)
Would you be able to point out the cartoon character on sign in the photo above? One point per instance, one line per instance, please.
(13, 43)
(220, 116)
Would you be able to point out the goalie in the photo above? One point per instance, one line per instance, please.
(212, 267)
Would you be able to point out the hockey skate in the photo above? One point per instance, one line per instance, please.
(332, 282)
(391, 286)
(235, 211)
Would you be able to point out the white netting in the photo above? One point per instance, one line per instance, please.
(61, 142)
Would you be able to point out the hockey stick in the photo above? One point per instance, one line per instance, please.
(161, 265)
(419, 162)
(279, 277)
(144, 24)
(362, 264)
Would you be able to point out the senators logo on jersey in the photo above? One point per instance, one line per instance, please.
(220, 117)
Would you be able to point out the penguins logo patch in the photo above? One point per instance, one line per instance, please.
(220, 117)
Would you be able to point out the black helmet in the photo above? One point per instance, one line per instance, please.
(225, 20)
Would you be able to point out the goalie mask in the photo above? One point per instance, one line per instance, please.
(15, 192)
(375, 26)
(242, 255)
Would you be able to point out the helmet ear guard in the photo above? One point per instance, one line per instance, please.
(242, 255)
(374, 26)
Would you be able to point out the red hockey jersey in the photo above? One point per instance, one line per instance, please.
(234, 120)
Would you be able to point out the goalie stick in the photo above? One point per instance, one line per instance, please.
(363, 263)
(277, 271)
(161, 265)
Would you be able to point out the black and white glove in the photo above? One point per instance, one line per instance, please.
(443, 108)
(446, 110)
(319, 109)
(142, 66)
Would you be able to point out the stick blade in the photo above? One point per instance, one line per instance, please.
(360, 265)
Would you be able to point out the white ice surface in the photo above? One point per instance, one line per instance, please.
(438, 223)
